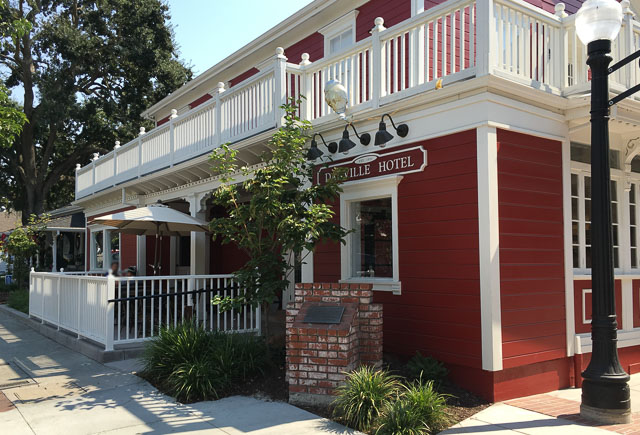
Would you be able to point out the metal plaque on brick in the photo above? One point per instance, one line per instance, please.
(324, 314)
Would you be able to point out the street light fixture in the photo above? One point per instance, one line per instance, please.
(605, 389)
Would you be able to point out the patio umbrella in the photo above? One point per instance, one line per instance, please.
(155, 220)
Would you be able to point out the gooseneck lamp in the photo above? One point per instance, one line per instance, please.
(346, 143)
(605, 389)
(315, 152)
(383, 136)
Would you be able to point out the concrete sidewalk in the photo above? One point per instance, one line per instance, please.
(46, 388)
(552, 413)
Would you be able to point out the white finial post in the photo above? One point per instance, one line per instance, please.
(626, 7)
(96, 156)
(78, 166)
(305, 59)
(560, 13)
(378, 24)
(280, 53)
(117, 144)
(174, 113)
(280, 75)
(142, 131)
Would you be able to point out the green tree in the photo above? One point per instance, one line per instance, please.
(86, 70)
(22, 245)
(11, 117)
(275, 214)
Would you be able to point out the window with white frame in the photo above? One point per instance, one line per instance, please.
(340, 34)
(370, 209)
(581, 206)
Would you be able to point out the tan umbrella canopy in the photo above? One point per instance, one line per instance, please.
(155, 220)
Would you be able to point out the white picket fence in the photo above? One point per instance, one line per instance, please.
(117, 310)
(453, 41)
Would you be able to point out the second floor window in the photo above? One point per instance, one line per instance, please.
(341, 42)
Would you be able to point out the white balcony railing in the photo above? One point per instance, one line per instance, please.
(120, 310)
(453, 41)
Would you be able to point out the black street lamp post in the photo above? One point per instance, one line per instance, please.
(605, 389)
(605, 392)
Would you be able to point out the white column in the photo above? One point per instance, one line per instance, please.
(199, 261)
(54, 250)
(106, 250)
(141, 259)
(489, 248)
(217, 95)
(307, 266)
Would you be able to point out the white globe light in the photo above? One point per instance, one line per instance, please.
(336, 97)
(598, 19)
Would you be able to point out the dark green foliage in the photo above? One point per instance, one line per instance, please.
(366, 393)
(277, 210)
(85, 70)
(427, 368)
(419, 410)
(19, 300)
(192, 364)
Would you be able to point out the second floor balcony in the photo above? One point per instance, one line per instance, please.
(454, 41)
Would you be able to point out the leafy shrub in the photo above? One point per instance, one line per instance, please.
(19, 300)
(364, 395)
(7, 287)
(428, 368)
(419, 410)
(193, 364)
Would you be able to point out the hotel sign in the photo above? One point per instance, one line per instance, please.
(372, 165)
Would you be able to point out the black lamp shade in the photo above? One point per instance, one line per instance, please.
(382, 136)
(345, 143)
(314, 151)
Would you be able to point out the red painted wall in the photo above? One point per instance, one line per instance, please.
(312, 44)
(242, 77)
(438, 312)
(531, 249)
(393, 13)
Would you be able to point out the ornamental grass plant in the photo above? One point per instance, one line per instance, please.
(364, 395)
(191, 364)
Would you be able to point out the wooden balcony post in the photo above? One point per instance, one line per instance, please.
(306, 111)
(96, 156)
(78, 167)
(416, 56)
(217, 95)
(115, 161)
(110, 318)
(377, 67)
(486, 47)
(280, 78)
(172, 143)
(142, 132)
(562, 47)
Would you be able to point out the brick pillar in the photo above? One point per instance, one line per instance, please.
(319, 354)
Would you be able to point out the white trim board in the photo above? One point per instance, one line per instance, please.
(489, 248)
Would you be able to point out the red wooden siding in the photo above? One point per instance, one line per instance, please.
(312, 44)
(438, 312)
(164, 120)
(393, 13)
(326, 256)
(242, 77)
(226, 258)
(531, 249)
(579, 287)
(199, 101)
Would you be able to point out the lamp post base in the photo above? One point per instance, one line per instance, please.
(606, 402)
(606, 416)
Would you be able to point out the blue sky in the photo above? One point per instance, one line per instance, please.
(207, 31)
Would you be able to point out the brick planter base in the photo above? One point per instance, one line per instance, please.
(318, 355)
